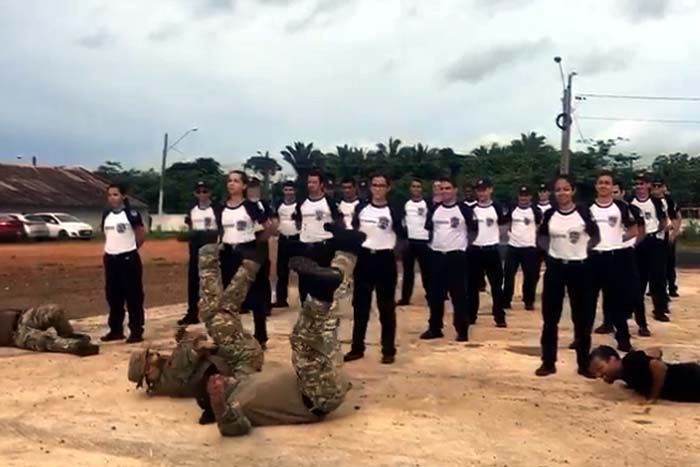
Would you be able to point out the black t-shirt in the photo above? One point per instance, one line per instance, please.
(682, 379)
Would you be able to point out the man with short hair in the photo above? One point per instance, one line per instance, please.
(415, 213)
(349, 202)
(544, 198)
(287, 242)
(437, 192)
(648, 374)
(660, 190)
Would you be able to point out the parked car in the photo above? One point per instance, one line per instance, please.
(10, 228)
(62, 225)
(36, 230)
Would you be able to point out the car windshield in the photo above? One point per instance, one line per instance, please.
(67, 218)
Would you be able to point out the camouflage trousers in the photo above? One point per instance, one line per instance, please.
(219, 309)
(316, 354)
(34, 331)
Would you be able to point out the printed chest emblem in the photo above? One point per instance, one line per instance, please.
(241, 225)
(383, 223)
(454, 222)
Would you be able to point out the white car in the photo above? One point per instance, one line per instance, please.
(62, 225)
(34, 229)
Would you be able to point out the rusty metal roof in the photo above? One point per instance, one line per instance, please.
(58, 186)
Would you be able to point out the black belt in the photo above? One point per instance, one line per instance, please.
(485, 247)
(376, 252)
(122, 255)
(617, 251)
(566, 261)
(289, 237)
(448, 252)
(322, 242)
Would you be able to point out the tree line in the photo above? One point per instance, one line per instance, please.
(528, 160)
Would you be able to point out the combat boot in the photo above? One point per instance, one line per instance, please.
(87, 349)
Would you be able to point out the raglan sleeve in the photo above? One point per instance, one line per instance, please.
(591, 226)
(537, 212)
(355, 223)
(397, 221)
(502, 213)
(626, 216)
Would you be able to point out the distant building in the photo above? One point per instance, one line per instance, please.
(73, 190)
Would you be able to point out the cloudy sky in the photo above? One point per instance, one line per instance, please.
(84, 81)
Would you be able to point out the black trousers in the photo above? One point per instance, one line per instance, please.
(608, 269)
(231, 258)
(573, 278)
(651, 260)
(375, 271)
(448, 274)
(287, 246)
(416, 250)
(124, 283)
(634, 296)
(528, 259)
(485, 260)
(322, 253)
(671, 267)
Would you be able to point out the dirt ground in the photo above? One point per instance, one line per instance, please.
(441, 403)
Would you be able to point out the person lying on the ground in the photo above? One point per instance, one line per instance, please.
(233, 352)
(315, 385)
(30, 329)
(648, 374)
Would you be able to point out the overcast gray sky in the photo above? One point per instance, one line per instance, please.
(84, 81)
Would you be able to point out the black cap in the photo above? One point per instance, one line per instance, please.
(543, 187)
(657, 179)
(642, 176)
(483, 183)
(201, 184)
(523, 190)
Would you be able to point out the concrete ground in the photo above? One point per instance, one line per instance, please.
(441, 404)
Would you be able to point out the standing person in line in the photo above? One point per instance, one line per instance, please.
(239, 218)
(543, 198)
(660, 190)
(201, 219)
(522, 251)
(484, 256)
(469, 195)
(633, 298)
(616, 225)
(651, 251)
(567, 233)
(451, 226)
(310, 216)
(287, 242)
(376, 269)
(437, 192)
(415, 213)
(349, 202)
(124, 235)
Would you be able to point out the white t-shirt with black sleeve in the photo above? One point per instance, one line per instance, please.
(523, 226)
(639, 220)
(119, 228)
(381, 224)
(613, 220)
(489, 217)
(347, 209)
(471, 204)
(450, 227)
(285, 214)
(239, 222)
(652, 210)
(544, 207)
(202, 219)
(569, 233)
(415, 215)
(311, 215)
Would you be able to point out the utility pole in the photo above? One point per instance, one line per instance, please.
(162, 175)
(564, 119)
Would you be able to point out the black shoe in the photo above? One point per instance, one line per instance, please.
(585, 373)
(388, 359)
(187, 320)
(87, 349)
(134, 339)
(546, 370)
(604, 329)
(573, 345)
(280, 305)
(324, 280)
(344, 239)
(403, 303)
(244, 311)
(112, 336)
(482, 289)
(462, 338)
(673, 294)
(430, 334)
(624, 346)
(207, 418)
(661, 317)
(501, 323)
(648, 294)
(352, 356)
(508, 306)
(82, 337)
(530, 306)
(472, 320)
(644, 332)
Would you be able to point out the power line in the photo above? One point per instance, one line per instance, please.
(648, 120)
(648, 98)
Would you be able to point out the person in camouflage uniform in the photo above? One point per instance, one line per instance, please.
(30, 329)
(316, 384)
(233, 352)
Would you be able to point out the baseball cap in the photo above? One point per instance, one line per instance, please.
(543, 187)
(483, 183)
(523, 190)
(642, 176)
(657, 179)
(137, 367)
(201, 184)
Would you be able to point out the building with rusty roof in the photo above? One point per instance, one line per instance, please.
(73, 190)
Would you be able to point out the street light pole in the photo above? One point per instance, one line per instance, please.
(163, 163)
(564, 119)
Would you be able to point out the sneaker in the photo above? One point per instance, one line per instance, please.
(87, 349)
(585, 373)
(430, 334)
(501, 323)
(134, 339)
(352, 356)
(187, 320)
(403, 303)
(604, 329)
(462, 338)
(388, 359)
(112, 336)
(673, 294)
(280, 305)
(661, 317)
(207, 417)
(546, 370)
(530, 306)
(644, 332)
(624, 346)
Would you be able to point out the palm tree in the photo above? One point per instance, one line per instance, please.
(264, 165)
(303, 157)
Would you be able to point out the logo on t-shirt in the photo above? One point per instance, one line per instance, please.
(454, 222)
(319, 214)
(612, 221)
(489, 221)
(421, 212)
(208, 222)
(383, 223)
(241, 225)
(574, 236)
(647, 215)
(527, 220)
(121, 227)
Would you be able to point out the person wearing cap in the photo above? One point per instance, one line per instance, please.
(202, 222)
(616, 225)
(349, 202)
(660, 190)
(523, 220)
(415, 213)
(29, 329)
(543, 198)
(287, 242)
(651, 250)
(483, 254)
(231, 351)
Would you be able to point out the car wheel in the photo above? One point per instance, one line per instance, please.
(63, 235)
